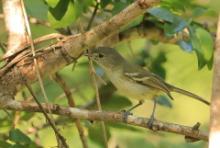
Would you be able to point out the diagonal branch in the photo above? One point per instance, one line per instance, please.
(109, 117)
(54, 57)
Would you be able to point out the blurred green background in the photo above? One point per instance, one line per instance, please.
(171, 61)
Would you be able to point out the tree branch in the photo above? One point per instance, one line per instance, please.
(215, 100)
(109, 117)
(58, 55)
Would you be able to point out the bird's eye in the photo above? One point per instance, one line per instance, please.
(101, 55)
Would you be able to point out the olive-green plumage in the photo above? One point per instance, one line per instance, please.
(132, 80)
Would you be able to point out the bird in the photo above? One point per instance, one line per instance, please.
(134, 81)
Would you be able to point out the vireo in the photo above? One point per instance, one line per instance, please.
(132, 80)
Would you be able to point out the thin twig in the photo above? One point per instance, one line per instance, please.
(93, 15)
(93, 76)
(71, 103)
(16, 119)
(60, 140)
(3, 47)
(109, 117)
(47, 117)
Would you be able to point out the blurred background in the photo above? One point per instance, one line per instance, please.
(178, 62)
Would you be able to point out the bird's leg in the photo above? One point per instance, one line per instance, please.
(126, 113)
(135, 106)
(151, 120)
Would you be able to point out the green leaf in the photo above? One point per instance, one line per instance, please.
(176, 5)
(133, 23)
(157, 65)
(5, 144)
(85, 4)
(36, 9)
(198, 11)
(203, 45)
(52, 3)
(173, 23)
(176, 26)
(68, 17)
(185, 45)
(66, 12)
(104, 3)
(206, 43)
(120, 5)
(162, 13)
(111, 101)
(18, 136)
(164, 101)
(96, 134)
(210, 62)
(116, 103)
(60, 9)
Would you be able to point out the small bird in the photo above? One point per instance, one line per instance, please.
(132, 80)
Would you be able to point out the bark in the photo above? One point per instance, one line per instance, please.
(214, 135)
(76, 113)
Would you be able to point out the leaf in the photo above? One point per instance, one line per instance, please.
(203, 45)
(37, 8)
(162, 13)
(18, 136)
(66, 12)
(198, 11)
(116, 103)
(60, 9)
(120, 5)
(173, 23)
(157, 65)
(52, 3)
(5, 144)
(95, 133)
(68, 17)
(206, 43)
(210, 62)
(133, 23)
(185, 45)
(176, 5)
(176, 26)
(104, 3)
(164, 101)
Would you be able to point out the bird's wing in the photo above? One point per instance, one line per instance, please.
(148, 79)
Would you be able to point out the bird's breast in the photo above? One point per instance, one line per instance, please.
(130, 88)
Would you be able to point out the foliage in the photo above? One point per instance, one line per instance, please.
(182, 20)
(199, 40)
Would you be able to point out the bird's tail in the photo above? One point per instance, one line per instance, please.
(187, 93)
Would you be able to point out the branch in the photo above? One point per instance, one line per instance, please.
(16, 33)
(215, 100)
(64, 52)
(109, 117)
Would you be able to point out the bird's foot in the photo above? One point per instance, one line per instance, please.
(125, 114)
(150, 124)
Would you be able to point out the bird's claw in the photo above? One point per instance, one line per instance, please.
(150, 124)
(125, 114)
